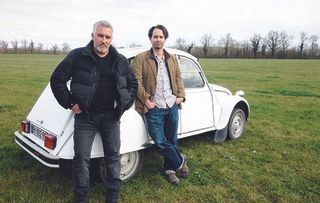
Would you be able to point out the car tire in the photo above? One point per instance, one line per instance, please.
(131, 163)
(236, 124)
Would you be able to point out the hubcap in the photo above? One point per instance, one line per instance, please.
(237, 125)
(127, 163)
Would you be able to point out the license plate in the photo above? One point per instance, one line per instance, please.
(38, 132)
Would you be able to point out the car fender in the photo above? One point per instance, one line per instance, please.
(133, 132)
(227, 107)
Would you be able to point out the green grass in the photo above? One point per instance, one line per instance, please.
(277, 159)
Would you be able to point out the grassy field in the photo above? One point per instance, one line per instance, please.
(277, 159)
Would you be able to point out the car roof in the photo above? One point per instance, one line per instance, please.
(132, 52)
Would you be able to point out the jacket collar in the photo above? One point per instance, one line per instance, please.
(151, 54)
(88, 51)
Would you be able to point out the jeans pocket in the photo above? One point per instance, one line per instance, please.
(81, 116)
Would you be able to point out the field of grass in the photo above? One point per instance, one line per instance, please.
(277, 159)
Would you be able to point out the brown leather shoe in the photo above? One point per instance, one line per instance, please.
(171, 177)
(184, 171)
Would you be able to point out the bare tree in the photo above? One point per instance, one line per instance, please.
(273, 41)
(303, 39)
(131, 45)
(39, 47)
(285, 42)
(4, 45)
(54, 48)
(264, 46)
(31, 46)
(205, 41)
(15, 44)
(255, 43)
(190, 46)
(180, 43)
(24, 46)
(65, 47)
(245, 49)
(226, 42)
(313, 39)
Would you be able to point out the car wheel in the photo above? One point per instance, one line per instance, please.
(130, 164)
(236, 124)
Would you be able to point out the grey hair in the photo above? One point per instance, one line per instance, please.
(102, 23)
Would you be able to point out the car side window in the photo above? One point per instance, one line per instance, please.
(190, 73)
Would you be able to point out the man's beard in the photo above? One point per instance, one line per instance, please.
(102, 49)
(157, 46)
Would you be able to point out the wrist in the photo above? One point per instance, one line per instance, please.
(147, 102)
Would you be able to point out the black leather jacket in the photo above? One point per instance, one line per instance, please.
(80, 66)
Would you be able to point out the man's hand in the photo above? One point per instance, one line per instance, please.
(76, 109)
(150, 105)
(179, 100)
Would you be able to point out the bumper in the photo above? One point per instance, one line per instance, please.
(37, 152)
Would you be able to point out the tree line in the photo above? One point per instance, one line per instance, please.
(274, 44)
(30, 47)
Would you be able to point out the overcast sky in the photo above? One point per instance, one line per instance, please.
(58, 21)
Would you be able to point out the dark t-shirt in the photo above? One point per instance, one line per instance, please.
(105, 95)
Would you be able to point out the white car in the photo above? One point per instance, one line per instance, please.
(47, 132)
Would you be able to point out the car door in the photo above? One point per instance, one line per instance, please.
(197, 111)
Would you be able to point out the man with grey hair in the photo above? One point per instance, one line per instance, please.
(103, 86)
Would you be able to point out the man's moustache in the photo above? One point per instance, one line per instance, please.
(104, 46)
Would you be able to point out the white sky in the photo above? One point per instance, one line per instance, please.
(58, 21)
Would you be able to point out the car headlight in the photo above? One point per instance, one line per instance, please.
(239, 93)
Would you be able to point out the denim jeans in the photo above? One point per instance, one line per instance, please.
(85, 128)
(162, 126)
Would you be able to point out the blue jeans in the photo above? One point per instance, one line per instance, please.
(162, 127)
(85, 128)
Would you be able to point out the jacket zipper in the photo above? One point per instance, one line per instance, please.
(117, 81)
(93, 87)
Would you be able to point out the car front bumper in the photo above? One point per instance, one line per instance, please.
(37, 152)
